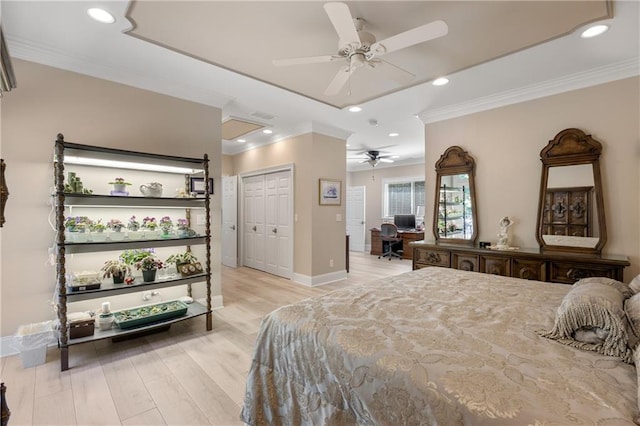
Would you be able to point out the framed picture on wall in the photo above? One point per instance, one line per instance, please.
(330, 192)
(196, 185)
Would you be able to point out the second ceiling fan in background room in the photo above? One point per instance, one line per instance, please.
(359, 48)
(373, 157)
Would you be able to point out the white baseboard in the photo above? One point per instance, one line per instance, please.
(317, 280)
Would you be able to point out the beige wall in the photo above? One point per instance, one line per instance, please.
(94, 112)
(373, 181)
(317, 234)
(506, 144)
(227, 165)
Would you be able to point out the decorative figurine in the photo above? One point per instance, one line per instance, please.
(503, 236)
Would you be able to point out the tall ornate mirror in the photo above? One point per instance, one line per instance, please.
(571, 208)
(455, 219)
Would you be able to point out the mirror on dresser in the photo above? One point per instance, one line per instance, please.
(455, 218)
(571, 215)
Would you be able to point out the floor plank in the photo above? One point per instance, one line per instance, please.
(184, 376)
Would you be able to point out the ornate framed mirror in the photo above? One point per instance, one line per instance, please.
(571, 214)
(455, 219)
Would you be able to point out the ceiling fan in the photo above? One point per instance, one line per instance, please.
(360, 48)
(374, 157)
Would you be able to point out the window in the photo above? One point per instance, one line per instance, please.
(403, 197)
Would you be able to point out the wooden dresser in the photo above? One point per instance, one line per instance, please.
(407, 237)
(532, 264)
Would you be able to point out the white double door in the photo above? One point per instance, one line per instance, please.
(267, 223)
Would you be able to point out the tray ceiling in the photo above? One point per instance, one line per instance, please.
(223, 33)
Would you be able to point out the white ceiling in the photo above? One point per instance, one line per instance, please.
(220, 55)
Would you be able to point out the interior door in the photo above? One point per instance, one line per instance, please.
(253, 225)
(278, 224)
(230, 221)
(356, 217)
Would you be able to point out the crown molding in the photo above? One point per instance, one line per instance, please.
(601, 75)
(58, 58)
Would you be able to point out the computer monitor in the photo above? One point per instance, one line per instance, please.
(405, 221)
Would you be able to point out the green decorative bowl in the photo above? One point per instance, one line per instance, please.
(148, 314)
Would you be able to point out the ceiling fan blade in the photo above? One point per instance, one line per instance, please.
(307, 60)
(342, 21)
(338, 81)
(393, 72)
(412, 37)
(385, 160)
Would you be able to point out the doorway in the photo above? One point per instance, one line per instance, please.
(356, 219)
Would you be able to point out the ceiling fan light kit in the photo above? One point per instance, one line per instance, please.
(361, 49)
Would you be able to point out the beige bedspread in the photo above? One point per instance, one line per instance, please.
(431, 347)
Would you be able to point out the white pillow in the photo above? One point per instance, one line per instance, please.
(635, 284)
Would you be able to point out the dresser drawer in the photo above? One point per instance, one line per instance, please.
(529, 269)
(495, 265)
(569, 272)
(428, 257)
(465, 262)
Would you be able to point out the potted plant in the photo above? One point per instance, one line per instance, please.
(116, 225)
(97, 231)
(150, 226)
(184, 258)
(76, 227)
(166, 224)
(149, 265)
(182, 225)
(119, 186)
(133, 228)
(130, 257)
(116, 269)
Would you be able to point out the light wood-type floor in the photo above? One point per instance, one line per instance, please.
(185, 376)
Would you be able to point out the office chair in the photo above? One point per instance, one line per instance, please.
(389, 235)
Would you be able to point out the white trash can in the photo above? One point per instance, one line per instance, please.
(32, 341)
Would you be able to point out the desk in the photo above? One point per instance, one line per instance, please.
(407, 237)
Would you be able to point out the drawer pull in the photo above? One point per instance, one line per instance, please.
(434, 257)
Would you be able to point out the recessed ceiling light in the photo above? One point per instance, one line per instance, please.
(242, 140)
(101, 15)
(440, 81)
(267, 131)
(596, 30)
(394, 134)
(355, 109)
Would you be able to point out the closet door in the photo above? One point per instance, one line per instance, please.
(253, 224)
(277, 224)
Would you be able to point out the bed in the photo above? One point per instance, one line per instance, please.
(435, 346)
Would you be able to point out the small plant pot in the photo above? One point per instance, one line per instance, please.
(149, 276)
(98, 237)
(151, 234)
(116, 236)
(118, 279)
(135, 235)
(118, 187)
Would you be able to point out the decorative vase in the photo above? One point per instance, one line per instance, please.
(149, 276)
(166, 233)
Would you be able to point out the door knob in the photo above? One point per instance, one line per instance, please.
(233, 227)
(254, 228)
(274, 230)
(362, 222)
